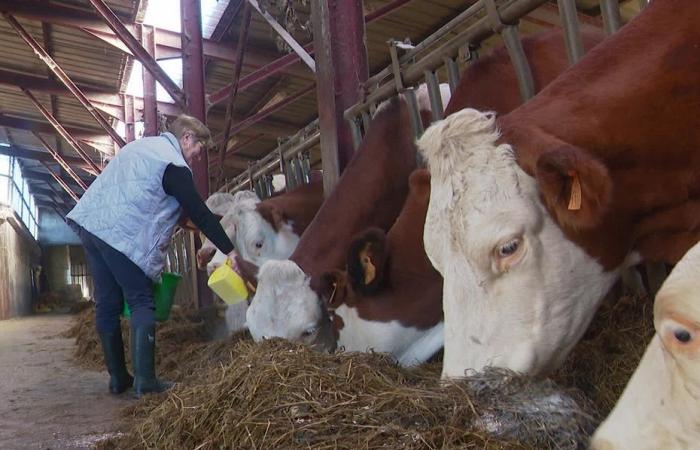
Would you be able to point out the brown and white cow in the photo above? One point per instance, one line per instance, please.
(295, 311)
(370, 192)
(263, 230)
(660, 407)
(530, 226)
(388, 300)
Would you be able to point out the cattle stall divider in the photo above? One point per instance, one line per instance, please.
(180, 259)
(439, 53)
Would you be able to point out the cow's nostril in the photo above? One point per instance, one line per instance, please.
(683, 336)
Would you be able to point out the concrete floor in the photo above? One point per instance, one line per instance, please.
(46, 400)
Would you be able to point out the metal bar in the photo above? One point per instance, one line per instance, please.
(519, 60)
(129, 126)
(356, 134)
(572, 33)
(413, 112)
(63, 184)
(366, 120)
(150, 104)
(452, 74)
(227, 19)
(62, 131)
(436, 107)
(25, 153)
(61, 161)
(240, 52)
(61, 75)
(449, 27)
(473, 34)
(384, 10)
(306, 166)
(258, 75)
(610, 10)
(251, 120)
(149, 63)
(298, 49)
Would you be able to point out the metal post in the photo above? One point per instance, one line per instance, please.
(436, 106)
(150, 108)
(519, 60)
(129, 126)
(452, 74)
(341, 68)
(61, 162)
(572, 33)
(610, 10)
(193, 85)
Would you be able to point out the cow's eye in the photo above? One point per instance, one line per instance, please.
(258, 244)
(509, 248)
(508, 253)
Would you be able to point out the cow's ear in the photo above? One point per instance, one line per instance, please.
(271, 214)
(249, 272)
(575, 186)
(366, 259)
(334, 288)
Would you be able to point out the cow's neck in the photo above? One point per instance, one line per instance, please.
(624, 103)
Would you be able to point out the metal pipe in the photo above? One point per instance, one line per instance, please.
(473, 34)
(240, 51)
(62, 131)
(260, 115)
(150, 104)
(61, 161)
(572, 33)
(610, 10)
(61, 75)
(63, 184)
(436, 107)
(149, 63)
(452, 74)
(298, 49)
(519, 60)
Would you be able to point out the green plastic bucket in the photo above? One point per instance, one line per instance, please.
(163, 295)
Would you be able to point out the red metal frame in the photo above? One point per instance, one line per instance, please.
(240, 52)
(149, 63)
(62, 131)
(60, 181)
(61, 161)
(150, 104)
(56, 69)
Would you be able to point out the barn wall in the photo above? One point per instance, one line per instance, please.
(19, 255)
(54, 231)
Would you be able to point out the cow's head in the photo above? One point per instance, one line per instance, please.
(517, 292)
(285, 306)
(659, 407)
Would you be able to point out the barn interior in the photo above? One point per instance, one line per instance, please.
(287, 88)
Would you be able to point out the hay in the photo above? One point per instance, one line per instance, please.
(280, 395)
(174, 337)
(237, 394)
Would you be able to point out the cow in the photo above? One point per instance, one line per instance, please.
(660, 407)
(291, 302)
(267, 229)
(388, 300)
(531, 219)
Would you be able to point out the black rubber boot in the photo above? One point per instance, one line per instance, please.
(113, 348)
(143, 358)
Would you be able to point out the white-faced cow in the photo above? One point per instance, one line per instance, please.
(660, 407)
(288, 303)
(531, 225)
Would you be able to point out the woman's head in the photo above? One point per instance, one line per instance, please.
(192, 135)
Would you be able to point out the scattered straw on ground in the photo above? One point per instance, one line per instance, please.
(280, 395)
(237, 394)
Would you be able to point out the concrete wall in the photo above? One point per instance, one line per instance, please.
(19, 254)
(56, 266)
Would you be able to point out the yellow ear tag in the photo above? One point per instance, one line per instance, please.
(575, 198)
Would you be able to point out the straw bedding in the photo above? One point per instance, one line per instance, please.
(234, 393)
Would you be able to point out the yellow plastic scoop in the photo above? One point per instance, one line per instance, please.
(228, 285)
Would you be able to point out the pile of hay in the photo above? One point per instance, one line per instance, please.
(180, 342)
(280, 395)
(237, 394)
